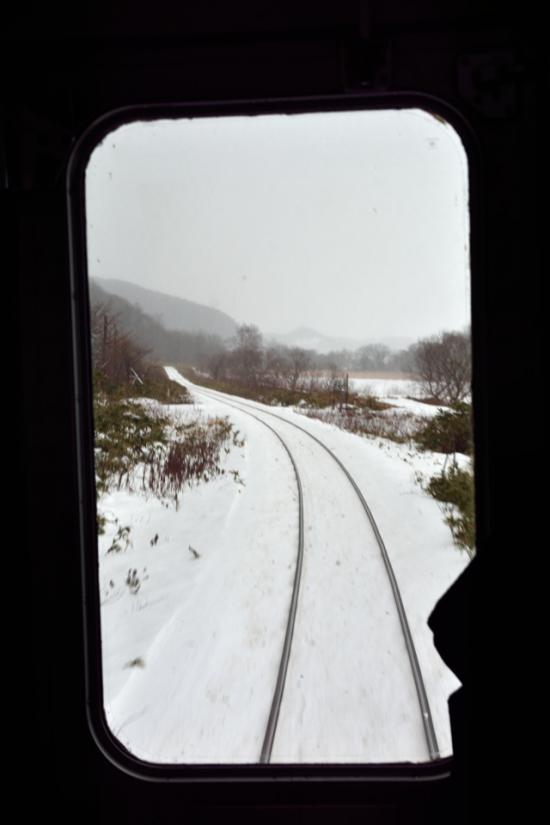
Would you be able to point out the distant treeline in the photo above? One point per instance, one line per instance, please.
(210, 352)
(252, 362)
(124, 339)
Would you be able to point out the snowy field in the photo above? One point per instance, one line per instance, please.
(386, 387)
(403, 393)
(192, 639)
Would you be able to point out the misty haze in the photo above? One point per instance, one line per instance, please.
(281, 360)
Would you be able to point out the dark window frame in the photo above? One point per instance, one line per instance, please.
(113, 750)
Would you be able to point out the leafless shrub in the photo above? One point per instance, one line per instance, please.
(137, 446)
(121, 540)
(133, 582)
(193, 456)
(398, 426)
(444, 365)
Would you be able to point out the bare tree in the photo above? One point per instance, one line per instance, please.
(248, 354)
(372, 357)
(300, 361)
(444, 366)
(115, 355)
(276, 366)
(218, 364)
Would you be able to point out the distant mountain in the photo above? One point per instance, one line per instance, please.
(173, 313)
(308, 338)
(162, 345)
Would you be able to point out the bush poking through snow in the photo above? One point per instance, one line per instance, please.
(101, 521)
(137, 662)
(455, 489)
(192, 457)
(397, 426)
(133, 582)
(449, 431)
(137, 446)
(126, 434)
(121, 540)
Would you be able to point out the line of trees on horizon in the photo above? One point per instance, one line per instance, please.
(122, 348)
(442, 363)
(248, 356)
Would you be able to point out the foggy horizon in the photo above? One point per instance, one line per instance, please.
(269, 333)
(352, 224)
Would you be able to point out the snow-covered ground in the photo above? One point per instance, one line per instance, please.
(401, 392)
(191, 650)
(386, 387)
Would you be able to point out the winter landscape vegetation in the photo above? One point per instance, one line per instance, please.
(279, 319)
(197, 514)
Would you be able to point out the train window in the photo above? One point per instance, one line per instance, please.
(278, 339)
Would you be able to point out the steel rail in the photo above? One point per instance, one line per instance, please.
(427, 720)
(273, 718)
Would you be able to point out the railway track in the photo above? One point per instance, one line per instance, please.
(424, 707)
(271, 727)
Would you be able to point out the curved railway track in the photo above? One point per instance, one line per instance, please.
(426, 716)
(271, 727)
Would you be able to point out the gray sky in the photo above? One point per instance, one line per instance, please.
(355, 223)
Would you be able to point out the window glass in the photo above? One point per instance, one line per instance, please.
(280, 321)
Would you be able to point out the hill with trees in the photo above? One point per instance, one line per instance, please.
(160, 344)
(175, 314)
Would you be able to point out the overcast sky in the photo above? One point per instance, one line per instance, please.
(355, 224)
